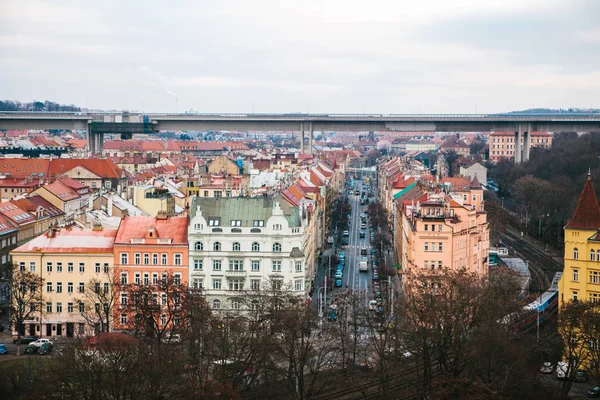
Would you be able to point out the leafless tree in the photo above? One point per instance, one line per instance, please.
(99, 299)
(26, 300)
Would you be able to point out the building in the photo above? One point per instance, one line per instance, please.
(63, 197)
(238, 245)
(223, 165)
(67, 259)
(502, 144)
(456, 145)
(153, 200)
(13, 187)
(581, 276)
(420, 145)
(475, 170)
(145, 250)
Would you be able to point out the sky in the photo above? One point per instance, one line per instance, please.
(327, 56)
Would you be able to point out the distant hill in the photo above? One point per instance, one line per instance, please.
(556, 111)
(9, 105)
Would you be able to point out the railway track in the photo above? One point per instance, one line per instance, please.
(541, 265)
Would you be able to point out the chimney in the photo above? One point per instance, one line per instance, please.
(109, 205)
(162, 215)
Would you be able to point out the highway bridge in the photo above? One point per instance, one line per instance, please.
(96, 124)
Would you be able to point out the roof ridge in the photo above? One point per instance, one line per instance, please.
(587, 211)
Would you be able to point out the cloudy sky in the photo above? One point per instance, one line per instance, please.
(338, 56)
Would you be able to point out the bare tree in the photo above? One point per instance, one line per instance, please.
(26, 300)
(99, 299)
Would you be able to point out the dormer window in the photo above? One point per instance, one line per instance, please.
(214, 222)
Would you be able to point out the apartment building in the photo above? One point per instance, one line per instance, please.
(237, 245)
(67, 259)
(502, 144)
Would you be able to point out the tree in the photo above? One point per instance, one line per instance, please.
(451, 157)
(26, 300)
(99, 299)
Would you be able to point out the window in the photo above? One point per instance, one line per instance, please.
(105, 287)
(163, 260)
(575, 296)
(254, 305)
(48, 267)
(426, 227)
(206, 193)
(255, 265)
(163, 319)
(276, 227)
(214, 222)
(255, 284)
(70, 267)
(32, 266)
(70, 287)
(595, 277)
(97, 268)
(276, 266)
(123, 319)
(298, 266)
(432, 228)
(137, 257)
(236, 284)
(146, 258)
(216, 284)
(235, 304)
(81, 267)
(440, 227)
(58, 287)
(48, 307)
(155, 278)
(236, 246)
(124, 298)
(425, 264)
(426, 246)
(217, 304)
(163, 299)
(177, 279)
(177, 259)
(198, 283)
(48, 286)
(198, 246)
(277, 283)
(298, 284)
(595, 299)
(276, 247)
(216, 265)
(236, 265)
(81, 287)
(575, 275)
(217, 194)
(255, 246)
(22, 267)
(59, 307)
(70, 307)
(137, 278)
(146, 278)
(440, 265)
(236, 222)
(198, 264)
(123, 278)
(592, 255)
(258, 222)
(575, 253)
(124, 258)
(440, 244)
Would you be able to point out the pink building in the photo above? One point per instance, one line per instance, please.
(502, 144)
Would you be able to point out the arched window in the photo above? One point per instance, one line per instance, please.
(592, 255)
(198, 246)
(575, 253)
(217, 246)
(217, 304)
(254, 305)
(236, 246)
(235, 304)
(276, 247)
(255, 246)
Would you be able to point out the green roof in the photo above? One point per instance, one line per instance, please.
(400, 193)
(244, 209)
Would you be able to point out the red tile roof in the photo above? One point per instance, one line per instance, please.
(15, 213)
(458, 184)
(22, 167)
(175, 228)
(6, 225)
(32, 203)
(61, 191)
(587, 212)
(102, 167)
(77, 143)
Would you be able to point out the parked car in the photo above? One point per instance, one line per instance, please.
(580, 376)
(31, 349)
(372, 305)
(38, 343)
(338, 283)
(547, 368)
(593, 393)
(171, 338)
(45, 348)
(363, 251)
(26, 339)
(3, 348)
(362, 235)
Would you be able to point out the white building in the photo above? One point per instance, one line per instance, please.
(241, 245)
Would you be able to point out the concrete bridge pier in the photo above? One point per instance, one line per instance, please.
(522, 143)
(302, 137)
(95, 140)
(310, 138)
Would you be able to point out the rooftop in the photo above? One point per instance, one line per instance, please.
(137, 227)
(587, 212)
(67, 240)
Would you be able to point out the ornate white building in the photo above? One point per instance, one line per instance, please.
(241, 245)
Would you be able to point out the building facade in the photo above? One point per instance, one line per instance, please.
(502, 144)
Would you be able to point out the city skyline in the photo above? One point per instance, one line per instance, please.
(465, 57)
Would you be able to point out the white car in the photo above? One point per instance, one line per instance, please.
(40, 342)
(547, 368)
(171, 338)
(372, 305)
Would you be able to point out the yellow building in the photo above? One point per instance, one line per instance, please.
(67, 260)
(581, 276)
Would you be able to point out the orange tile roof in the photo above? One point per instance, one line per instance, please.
(22, 167)
(16, 213)
(6, 225)
(458, 184)
(61, 191)
(175, 228)
(75, 240)
(587, 212)
(77, 143)
(102, 167)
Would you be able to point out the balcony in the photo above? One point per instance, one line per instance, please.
(235, 272)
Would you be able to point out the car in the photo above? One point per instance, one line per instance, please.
(45, 348)
(3, 348)
(171, 338)
(362, 202)
(345, 241)
(547, 368)
(373, 252)
(363, 251)
(377, 294)
(338, 283)
(375, 277)
(372, 305)
(346, 233)
(362, 235)
(26, 339)
(593, 393)
(38, 343)
(580, 376)
(356, 192)
(363, 226)
(31, 349)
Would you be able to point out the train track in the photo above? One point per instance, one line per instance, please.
(541, 265)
